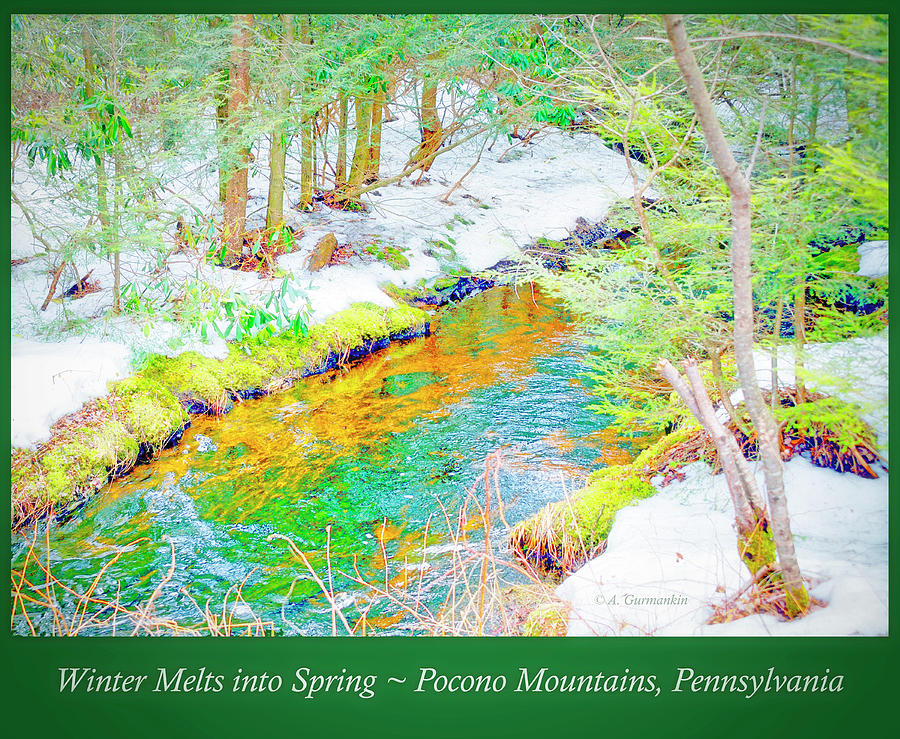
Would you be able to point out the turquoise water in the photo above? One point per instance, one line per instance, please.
(347, 462)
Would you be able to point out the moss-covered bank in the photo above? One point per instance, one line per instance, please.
(565, 534)
(148, 412)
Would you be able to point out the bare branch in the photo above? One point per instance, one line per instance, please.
(787, 36)
(759, 134)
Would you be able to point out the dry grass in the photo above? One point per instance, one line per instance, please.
(763, 595)
(481, 598)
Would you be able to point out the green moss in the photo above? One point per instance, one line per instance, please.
(84, 461)
(394, 256)
(401, 294)
(550, 619)
(145, 410)
(564, 534)
(608, 490)
(757, 549)
(445, 283)
(440, 249)
(149, 411)
(551, 244)
(258, 361)
(649, 460)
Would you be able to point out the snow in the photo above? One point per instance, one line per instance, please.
(51, 380)
(873, 258)
(680, 545)
(516, 193)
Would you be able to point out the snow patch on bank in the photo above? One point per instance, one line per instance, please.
(51, 380)
(671, 557)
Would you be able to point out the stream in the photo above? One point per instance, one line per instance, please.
(361, 460)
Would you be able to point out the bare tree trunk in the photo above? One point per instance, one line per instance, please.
(278, 149)
(767, 432)
(800, 337)
(116, 233)
(755, 545)
(220, 97)
(236, 188)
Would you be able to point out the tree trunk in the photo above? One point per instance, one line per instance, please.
(755, 545)
(796, 596)
(306, 134)
(236, 187)
(800, 337)
(220, 98)
(359, 165)
(432, 134)
(103, 212)
(278, 148)
(374, 162)
(116, 233)
(340, 167)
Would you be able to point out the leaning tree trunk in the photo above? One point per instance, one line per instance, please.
(236, 188)
(797, 599)
(755, 545)
(278, 150)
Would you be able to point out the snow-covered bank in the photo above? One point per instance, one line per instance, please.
(51, 380)
(511, 197)
(671, 557)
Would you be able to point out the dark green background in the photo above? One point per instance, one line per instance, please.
(33, 706)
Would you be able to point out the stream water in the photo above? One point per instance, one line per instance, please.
(362, 458)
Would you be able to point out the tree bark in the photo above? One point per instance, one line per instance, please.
(239, 90)
(359, 166)
(754, 537)
(374, 163)
(340, 167)
(307, 142)
(220, 98)
(103, 212)
(278, 148)
(432, 133)
(767, 432)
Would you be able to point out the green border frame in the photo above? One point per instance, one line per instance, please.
(34, 706)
